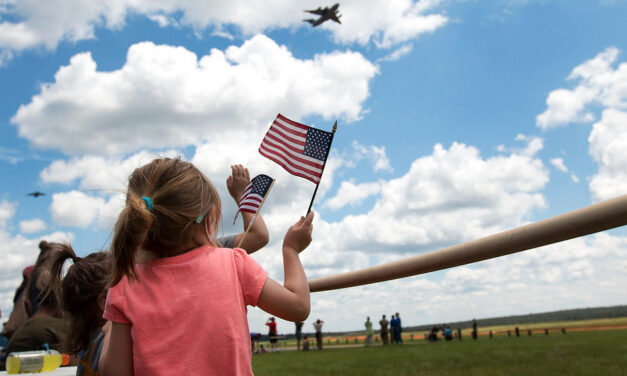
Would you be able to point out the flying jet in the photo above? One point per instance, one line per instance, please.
(36, 194)
(325, 14)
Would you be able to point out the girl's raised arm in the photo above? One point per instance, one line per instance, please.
(290, 301)
(118, 352)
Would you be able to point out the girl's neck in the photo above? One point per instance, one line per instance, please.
(146, 257)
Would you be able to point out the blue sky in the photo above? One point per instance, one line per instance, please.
(457, 120)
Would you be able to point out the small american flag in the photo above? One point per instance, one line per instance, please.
(300, 149)
(254, 194)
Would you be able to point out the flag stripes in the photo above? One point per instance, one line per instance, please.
(286, 142)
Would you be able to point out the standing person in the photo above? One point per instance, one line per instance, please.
(272, 335)
(392, 329)
(384, 330)
(397, 337)
(83, 293)
(369, 331)
(194, 289)
(306, 343)
(299, 333)
(318, 327)
(474, 329)
(254, 342)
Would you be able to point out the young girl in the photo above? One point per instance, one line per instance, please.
(83, 293)
(185, 312)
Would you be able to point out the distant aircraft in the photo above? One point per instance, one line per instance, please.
(325, 15)
(36, 194)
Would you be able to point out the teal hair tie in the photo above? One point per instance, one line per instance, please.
(200, 218)
(148, 202)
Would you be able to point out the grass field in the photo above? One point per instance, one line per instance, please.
(600, 352)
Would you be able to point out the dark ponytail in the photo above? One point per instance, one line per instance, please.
(81, 288)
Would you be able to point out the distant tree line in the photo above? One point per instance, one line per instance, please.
(565, 315)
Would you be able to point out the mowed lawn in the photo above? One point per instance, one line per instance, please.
(600, 352)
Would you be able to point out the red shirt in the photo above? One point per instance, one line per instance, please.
(188, 313)
(272, 325)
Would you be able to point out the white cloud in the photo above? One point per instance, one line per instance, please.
(7, 210)
(170, 98)
(558, 163)
(398, 53)
(600, 85)
(32, 225)
(388, 22)
(78, 209)
(608, 147)
(352, 194)
(375, 154)
(95, 173)
(448, 197)
(46, 25)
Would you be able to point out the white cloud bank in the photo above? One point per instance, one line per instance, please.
(600, 85)
(166, 96)
(31, 24)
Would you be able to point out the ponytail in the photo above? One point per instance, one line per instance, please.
(85, 282)
(130, 233)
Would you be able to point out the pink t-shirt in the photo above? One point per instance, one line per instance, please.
(188, 313)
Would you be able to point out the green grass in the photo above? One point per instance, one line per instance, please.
(577, 353)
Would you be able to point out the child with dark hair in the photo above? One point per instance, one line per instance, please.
(39, 280)
(46, 325)
(192, 290)
(83, 292)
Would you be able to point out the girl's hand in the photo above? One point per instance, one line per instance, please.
(238, 180)
(298, 236)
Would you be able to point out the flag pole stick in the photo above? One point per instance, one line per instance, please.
(256, 214)
(325, 163)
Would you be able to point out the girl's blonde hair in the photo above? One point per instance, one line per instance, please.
(166, 202)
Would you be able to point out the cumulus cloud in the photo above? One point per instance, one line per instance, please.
(599, 83)
(600, 86)
(608, 147)
(29, 24)
(77, 209)
(97, 173)
(388, 23)
(171, 98)
(450, 196)
(7, 210)
(350, 193)
(32, 225)
(374, 154)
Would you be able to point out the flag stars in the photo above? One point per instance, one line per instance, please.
(317, 144)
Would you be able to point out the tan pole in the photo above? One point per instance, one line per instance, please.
(594, 218)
